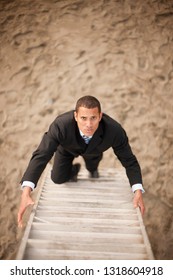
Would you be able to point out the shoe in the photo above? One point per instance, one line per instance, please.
(94, 174)
(74, 172)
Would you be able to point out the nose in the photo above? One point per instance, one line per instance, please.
(88, 123)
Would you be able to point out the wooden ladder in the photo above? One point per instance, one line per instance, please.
(92, 219)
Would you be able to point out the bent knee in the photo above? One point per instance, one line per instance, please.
(58, 180)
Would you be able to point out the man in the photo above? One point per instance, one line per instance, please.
(86, 132)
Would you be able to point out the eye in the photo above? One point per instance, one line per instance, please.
(83, 118)
(93, 118)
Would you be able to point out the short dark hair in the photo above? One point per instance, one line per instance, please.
(89, 102)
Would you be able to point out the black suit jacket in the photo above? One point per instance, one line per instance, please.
(64, 131)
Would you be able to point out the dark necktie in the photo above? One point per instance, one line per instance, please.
(86, 139)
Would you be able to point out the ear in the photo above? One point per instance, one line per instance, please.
(75, 115)
(101, 114)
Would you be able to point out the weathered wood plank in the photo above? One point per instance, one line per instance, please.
(87, 246)
(53, 254)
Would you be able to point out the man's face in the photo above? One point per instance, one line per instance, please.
(88, 120)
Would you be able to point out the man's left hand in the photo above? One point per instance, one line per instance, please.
(138, 201)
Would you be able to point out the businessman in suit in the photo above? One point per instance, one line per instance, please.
(87, 132)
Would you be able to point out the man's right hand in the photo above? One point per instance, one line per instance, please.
(26, 201)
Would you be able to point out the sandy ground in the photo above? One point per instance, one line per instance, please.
(51, 53)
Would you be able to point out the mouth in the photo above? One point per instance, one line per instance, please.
(89, 131)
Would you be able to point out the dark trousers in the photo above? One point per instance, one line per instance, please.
(62, 167)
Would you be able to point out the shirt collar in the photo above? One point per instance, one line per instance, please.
(81, 133)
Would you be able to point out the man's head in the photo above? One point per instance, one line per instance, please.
(88, 114)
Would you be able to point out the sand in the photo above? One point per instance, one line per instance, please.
(51, 53)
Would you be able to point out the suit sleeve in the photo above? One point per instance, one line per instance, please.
(124, 153)
(42, 155)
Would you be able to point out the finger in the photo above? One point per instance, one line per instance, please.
(142, 209)
(138, 203)
(19, 217)
(19, 220)
(135, 203)
(21, 212)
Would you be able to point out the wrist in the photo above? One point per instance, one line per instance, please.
(138, 191)
(26, 191)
